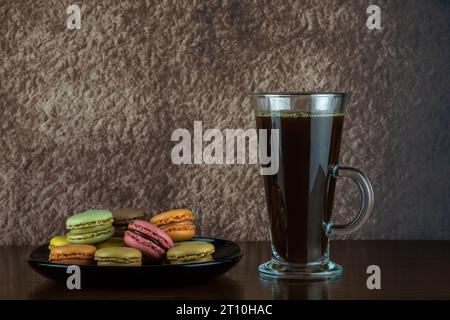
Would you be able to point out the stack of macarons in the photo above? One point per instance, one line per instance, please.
(123, 237)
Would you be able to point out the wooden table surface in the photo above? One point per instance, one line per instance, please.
(409, 270)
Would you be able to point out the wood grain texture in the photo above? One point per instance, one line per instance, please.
(409, 270)
(86, 115)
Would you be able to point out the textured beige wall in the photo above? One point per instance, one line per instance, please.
(86, 115)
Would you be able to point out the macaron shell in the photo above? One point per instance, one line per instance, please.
(147, 247)
(94, 229)
(78, 262)
(180, 235)
(126, 214)
(118, 252)
(171, 216)
(89, 218)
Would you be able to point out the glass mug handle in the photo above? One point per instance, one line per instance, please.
(367, 198)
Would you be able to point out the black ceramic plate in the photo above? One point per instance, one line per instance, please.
(227, 254)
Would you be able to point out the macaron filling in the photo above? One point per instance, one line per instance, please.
(207, 258)
(90, 230)
(81, 236)
(192, 257)
(120, 222)
(180, 224)
(121, 227)
(146, 237)
(63, 256)
(118, 260)
(90, 224)
(74, 261)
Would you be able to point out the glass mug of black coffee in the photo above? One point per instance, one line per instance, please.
(300, 194)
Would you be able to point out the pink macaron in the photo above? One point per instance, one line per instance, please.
(148, 238)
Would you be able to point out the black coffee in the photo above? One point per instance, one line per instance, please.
(303, 186)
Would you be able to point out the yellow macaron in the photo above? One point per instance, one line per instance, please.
(58, 241)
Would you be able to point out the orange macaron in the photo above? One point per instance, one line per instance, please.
(178, 224)
(78, 254)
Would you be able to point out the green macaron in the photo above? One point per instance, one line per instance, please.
(190, 252)
(118, 256)
(92, 226)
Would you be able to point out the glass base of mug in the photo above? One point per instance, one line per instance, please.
(323, 270)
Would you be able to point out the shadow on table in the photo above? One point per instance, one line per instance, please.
(219, 288)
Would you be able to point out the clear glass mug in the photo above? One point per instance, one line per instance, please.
(300, 194)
